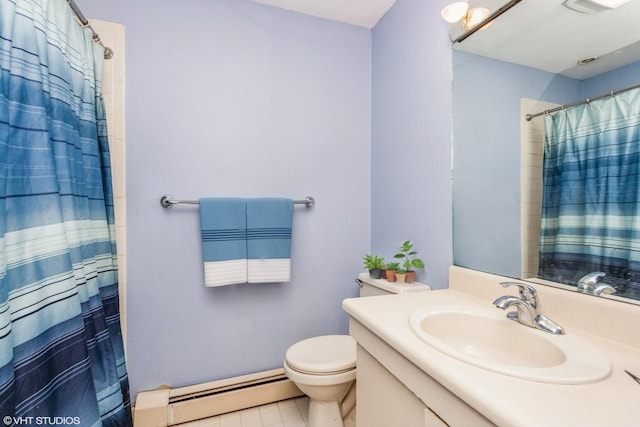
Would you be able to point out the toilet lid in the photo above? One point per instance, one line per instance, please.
(325, 354)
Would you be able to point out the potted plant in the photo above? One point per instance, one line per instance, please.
(407, 253)
(401, 275)
(374, 264)
(391, 271)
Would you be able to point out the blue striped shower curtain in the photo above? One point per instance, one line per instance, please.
(61, 353)
(591, 196)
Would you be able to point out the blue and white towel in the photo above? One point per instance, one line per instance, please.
(269, 222)
(224, 240)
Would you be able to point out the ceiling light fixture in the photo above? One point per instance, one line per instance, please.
(455, 12)
(592, 7)
(587, 60)
(475, 27)
(611, 4)
(474, 17)
(460, 12)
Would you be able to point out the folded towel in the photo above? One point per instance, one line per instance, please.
(224, 244)
(269, 222)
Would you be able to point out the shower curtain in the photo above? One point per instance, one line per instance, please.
(61, 353)
(591, 194)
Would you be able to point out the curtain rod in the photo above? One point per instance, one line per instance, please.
(528, 117)
(108, 53)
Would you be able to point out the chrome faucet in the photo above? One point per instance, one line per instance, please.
(589, 284)
(527, 308)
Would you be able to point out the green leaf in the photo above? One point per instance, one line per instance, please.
(417, 263)
(398, 256)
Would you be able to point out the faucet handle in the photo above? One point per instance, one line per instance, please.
(527, 292)
(592, 277)
(588, 283)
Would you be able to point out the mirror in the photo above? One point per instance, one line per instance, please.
(526, 61)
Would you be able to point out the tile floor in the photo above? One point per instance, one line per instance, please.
(287, 413)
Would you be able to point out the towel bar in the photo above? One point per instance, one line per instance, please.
(167, 201)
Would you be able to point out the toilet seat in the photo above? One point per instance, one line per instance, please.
(323, 355)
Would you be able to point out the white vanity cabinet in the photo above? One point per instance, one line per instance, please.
(402, 381)
(392, 391)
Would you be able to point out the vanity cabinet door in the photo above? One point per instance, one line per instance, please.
(384, 401)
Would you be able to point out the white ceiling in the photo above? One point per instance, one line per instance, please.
(543, 34)
(363, 13)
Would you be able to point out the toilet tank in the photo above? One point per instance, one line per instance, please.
(373, 287)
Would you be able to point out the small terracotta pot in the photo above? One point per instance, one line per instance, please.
(411, 277)
(391, 275)
(401, 277)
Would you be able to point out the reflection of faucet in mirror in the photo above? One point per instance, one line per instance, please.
(589, 284)
(527, 309)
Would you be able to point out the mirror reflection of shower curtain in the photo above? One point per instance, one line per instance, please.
(591, 193)
(61, 351)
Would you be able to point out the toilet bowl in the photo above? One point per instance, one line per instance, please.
(324, 367)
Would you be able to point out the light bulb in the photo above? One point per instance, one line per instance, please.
(454, 12)
(474, 17)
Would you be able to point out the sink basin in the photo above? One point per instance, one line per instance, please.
(487, 339)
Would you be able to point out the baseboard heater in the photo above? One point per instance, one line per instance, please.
(170, 406)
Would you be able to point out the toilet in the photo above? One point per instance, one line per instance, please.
(324, 367)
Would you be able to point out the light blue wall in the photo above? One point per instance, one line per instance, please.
(486, 140)
(613, 80)
(411, 136)
(234, 98)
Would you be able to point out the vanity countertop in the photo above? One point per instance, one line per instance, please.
(504, 400)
